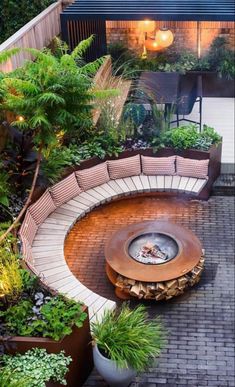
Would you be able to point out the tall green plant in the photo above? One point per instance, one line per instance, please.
(53, 94)
(128, 337)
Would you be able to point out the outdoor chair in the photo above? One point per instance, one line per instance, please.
(189, 93)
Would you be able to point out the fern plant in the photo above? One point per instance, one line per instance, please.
(52, 94)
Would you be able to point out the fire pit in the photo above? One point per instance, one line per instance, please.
(153, 260)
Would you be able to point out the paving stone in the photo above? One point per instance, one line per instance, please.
(200, 348)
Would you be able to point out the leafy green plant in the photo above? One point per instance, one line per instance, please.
(183, 137)
(221, 58)
(4, 186)
(53, 319)
(13, 379)
(39, 366)
(128, 337)
(188, 136)
(136, 113)
(11, 284)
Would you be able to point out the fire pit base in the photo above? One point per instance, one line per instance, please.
(164, 290)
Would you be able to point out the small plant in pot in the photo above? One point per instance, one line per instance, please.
(125, 342)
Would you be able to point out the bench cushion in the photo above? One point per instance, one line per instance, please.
(158, 165)
(91, 177)
(43, 207)
(28, 229)
(129, 166)
(65, 190)
(192, 168)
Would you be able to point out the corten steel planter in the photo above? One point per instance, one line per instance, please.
(215, 86)
(77, 345)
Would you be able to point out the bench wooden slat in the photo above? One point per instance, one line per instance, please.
(199, 185)
(75, 204)
(103, 192)
(145, 182)
(42, 248)
(52, 232)
(55, 270)
(191, 182)
(153, 182)
(73, 212)
(175, 183)
(96, 195)
(161, 182)
(61, 281)
(87, 197)
(109, 190)
(56, 227)
(137, 182)
(48, 254)
(168, 182)
(130, 184)
(123, 185)
(115, 187)
(183, 182)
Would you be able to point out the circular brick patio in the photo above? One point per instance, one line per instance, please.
(200, 350)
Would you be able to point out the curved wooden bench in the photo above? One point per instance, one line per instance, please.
(46, 225)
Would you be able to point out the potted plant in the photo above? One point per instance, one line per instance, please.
(125, 342)
(35, 368)
(31, 316)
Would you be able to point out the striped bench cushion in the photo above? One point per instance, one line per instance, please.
(91, 177)
(27, 251)
(192, 168)
(129, 166)
(158, 165)
(43, 207)
(28, 229)
(65, 190)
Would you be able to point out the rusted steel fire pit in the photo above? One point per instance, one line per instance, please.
(153, 260)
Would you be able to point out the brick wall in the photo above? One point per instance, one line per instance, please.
(185, 33)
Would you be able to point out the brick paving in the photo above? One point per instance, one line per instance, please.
(200, 348)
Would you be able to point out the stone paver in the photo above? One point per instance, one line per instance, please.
(200, 348)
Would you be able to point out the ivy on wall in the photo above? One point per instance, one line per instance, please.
(14, 14)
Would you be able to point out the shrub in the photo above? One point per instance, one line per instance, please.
(11, 284)
(53, 317)
(185, 137)
(128, 337)
(39, 366)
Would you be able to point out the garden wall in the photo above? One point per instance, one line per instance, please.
(185, 33)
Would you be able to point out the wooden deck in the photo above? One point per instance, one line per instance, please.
(219, 113)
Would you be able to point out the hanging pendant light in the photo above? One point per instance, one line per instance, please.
(153, 45)
(164, 37)
(147, 25)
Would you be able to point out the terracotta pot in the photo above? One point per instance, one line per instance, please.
(77, 345)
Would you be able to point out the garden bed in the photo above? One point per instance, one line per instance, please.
(77, 345)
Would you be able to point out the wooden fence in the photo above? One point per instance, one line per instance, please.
(38, 33)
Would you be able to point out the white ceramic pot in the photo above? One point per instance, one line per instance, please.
(113, 375)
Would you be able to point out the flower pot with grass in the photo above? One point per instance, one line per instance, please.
(125, 343)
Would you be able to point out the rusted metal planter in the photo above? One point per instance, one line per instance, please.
(77, 345)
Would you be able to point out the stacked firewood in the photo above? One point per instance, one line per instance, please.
(160, 290)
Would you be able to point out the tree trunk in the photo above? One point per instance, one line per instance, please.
(28, 201)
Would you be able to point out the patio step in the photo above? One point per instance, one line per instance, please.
(224, 185)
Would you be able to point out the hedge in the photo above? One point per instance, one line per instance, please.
(14, 14)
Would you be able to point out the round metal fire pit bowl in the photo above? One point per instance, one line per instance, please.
(153, 281)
